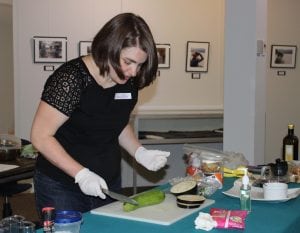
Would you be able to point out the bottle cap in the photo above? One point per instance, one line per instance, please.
(245, 179)
(290, 126)
(48, 213)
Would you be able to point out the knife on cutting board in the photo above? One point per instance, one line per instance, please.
(119, 197)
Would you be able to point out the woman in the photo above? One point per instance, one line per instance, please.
(82, 119)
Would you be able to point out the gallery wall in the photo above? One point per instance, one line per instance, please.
(172, 21)
(6, 69)
(282, 92)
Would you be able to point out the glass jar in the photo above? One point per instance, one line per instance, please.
(212, 165)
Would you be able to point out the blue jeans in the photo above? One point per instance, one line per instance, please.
(51, 193)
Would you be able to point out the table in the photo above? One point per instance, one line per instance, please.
(265, 217)
(24, 171)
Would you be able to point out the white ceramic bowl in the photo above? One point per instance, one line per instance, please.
(275, 191)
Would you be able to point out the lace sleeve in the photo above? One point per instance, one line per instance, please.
(62, 90)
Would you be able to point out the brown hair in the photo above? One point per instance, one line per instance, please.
(122, 31)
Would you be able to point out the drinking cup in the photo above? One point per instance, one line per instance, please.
(11, 223)
(19, 218)
(27, 227)
(4, 228)
(275, 191)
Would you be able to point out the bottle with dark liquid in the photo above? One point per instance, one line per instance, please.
(290, 145)
(48, 219)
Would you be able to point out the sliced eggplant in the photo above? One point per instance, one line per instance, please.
(184, 187)
(190, 199)
(186, 206)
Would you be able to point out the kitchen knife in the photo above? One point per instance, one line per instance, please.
(119, 197)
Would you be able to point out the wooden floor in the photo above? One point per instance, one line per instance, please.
(24, 204)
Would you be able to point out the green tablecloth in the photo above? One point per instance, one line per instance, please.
(265, 217)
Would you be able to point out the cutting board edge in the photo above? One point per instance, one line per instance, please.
(98, 211)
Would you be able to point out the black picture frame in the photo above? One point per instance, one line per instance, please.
(283, 56)
(85, 48)
(163, 53)
(197, 54)
(50, 49)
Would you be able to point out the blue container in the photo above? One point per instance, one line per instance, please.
(67, 221)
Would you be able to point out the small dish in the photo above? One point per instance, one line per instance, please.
(257, 194)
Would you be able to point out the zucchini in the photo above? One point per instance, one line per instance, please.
(151, 197)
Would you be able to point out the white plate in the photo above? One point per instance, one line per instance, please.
(257, 194)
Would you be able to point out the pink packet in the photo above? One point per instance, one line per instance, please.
(229, 218)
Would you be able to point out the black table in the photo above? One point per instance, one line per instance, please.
(24, 171)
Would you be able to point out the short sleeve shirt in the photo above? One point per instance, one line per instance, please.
(96, 118)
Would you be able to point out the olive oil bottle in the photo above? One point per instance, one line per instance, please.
(290, 145)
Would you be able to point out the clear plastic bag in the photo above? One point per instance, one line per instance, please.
(230, 159)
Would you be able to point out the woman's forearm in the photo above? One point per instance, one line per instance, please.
(128, 140)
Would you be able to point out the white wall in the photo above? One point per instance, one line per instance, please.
(177, 22)
(61, 18)
(283, 93)
(244, 99)
(172, 21)
(6, 69)
(78, 20)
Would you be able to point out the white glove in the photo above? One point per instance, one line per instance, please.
(153, 160)
(90, 183)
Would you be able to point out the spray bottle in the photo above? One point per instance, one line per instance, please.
(245, 192)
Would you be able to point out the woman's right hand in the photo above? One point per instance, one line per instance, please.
(90, 183)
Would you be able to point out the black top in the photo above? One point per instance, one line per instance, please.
(96, 118)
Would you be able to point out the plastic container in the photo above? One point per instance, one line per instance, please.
(67, 221)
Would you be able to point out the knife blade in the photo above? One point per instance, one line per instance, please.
(119, 197)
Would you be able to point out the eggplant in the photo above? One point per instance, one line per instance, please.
(184, 187)
(189, 199)
(186, 206)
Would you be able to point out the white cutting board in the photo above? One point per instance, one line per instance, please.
(164, 213)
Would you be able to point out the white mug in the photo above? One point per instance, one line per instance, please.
(275, 191)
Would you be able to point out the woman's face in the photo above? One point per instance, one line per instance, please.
(131, 60)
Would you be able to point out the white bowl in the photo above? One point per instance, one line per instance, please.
(275, 191)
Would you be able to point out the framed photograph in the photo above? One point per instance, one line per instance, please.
(283, 56)
(197, 56)
(85, 48)
(163, 53)
(50, 49)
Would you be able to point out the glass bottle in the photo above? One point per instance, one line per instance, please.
(48, 214)
(290, 145)
(245, 193)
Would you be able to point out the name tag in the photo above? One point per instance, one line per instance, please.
(123, 96)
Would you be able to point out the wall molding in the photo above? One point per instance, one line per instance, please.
(178, 110)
